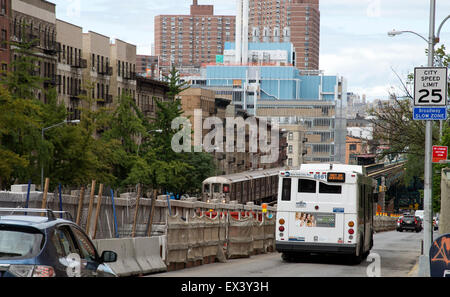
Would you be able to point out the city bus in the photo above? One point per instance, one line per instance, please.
(325, 209)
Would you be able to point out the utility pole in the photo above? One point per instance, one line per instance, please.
(424, 261)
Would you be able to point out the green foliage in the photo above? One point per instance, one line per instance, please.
(115, 146)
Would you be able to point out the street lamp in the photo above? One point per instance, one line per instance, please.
(436, 40)
(48, 128)
(424, 268)
(394, 33)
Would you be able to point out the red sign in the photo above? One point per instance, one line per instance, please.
(439, 153)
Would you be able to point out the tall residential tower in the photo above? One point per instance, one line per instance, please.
(188, 41)
(297, 21)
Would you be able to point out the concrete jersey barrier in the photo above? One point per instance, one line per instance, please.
(134, 255)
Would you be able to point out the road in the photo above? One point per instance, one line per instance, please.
(398, 252)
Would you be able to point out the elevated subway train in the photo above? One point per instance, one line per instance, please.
(258, 186)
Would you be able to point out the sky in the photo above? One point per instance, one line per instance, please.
(353, 40)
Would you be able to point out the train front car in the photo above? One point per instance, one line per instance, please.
(217, 187)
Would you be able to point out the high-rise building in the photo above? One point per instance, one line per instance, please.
(188, 41)
(297, 21)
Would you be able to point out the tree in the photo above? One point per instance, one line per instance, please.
(14, 118)
(395, 127)
(160, 166)
(21, 117)
(125, 127)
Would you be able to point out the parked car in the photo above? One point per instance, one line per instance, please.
(409, 222)
(32, 245)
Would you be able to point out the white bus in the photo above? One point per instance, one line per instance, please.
(325, 208)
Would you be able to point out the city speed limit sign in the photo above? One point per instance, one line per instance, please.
(430, 86)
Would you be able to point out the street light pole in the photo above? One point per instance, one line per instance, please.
(424, 263)
(42, 135)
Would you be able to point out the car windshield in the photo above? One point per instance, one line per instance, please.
(19, 242)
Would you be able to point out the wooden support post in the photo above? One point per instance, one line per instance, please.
(97, 212)
(91, 202)
(152, 212)
(80, 206)
(133, 232)
(44, 197)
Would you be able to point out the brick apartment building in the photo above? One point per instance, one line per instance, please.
(5, 15)
(296, 20)
(188, 41)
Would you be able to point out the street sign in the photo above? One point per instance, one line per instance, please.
(430, 86)
(439, 153)
(430, 113)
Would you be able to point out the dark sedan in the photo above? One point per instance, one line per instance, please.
(409, 222)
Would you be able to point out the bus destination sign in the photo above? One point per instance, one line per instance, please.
(336, 177)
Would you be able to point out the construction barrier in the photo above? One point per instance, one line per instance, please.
(126, 264)
(382, 223)
(148, 254)
(258, 237)
(135, 256)
(240, 237)
(269, 233)
(177, 241)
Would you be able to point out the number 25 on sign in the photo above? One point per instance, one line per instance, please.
(430, 86)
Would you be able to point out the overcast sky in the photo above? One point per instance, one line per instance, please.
(354, 41)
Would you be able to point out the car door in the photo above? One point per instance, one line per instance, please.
(67, 252)
(88, 253)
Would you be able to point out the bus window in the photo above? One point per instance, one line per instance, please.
(329, 189)
(216, 188)
(306, 186)
(286, 190)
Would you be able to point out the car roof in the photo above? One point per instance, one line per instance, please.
(31, 221)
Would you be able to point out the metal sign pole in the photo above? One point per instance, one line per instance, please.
(424, 263)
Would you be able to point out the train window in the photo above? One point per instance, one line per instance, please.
(286, 190)
(306, 186)
(226, 188)
(206, 188)
(216, 188)
(329, 189)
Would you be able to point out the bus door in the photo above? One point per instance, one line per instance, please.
(318, 216)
